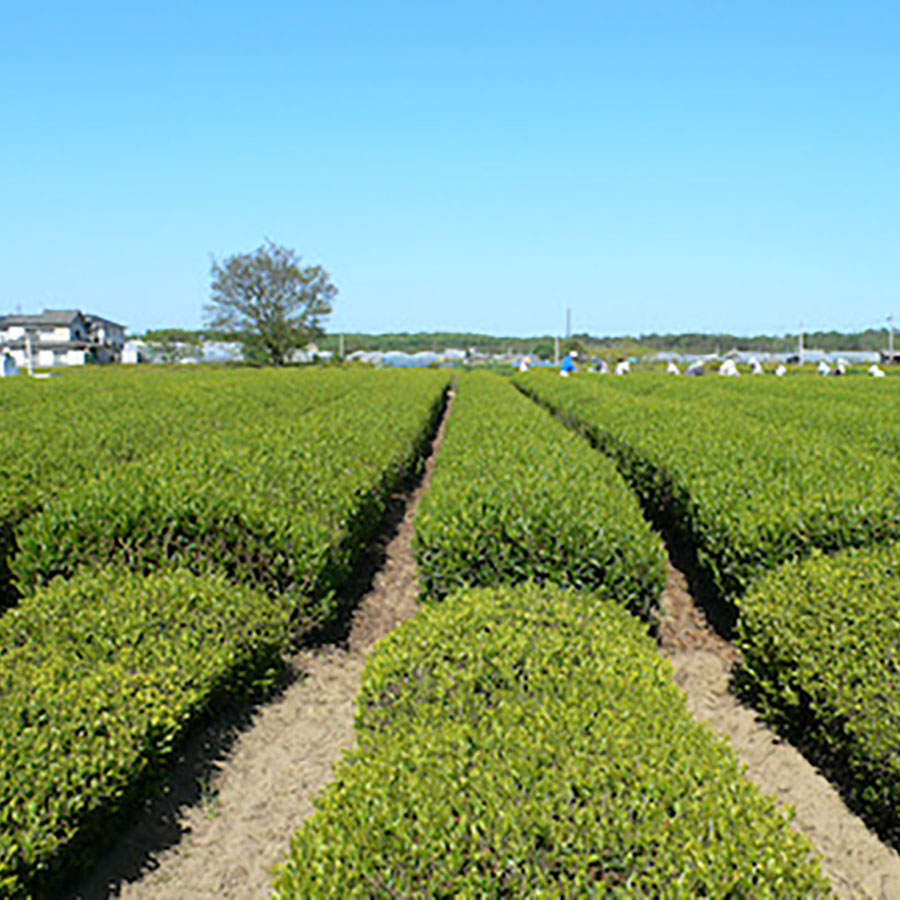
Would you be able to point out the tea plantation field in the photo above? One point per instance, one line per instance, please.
(788, 493)
(165, 535)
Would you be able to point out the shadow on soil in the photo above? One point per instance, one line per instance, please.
(869, 790)
(155, 827)
(720, 613)
(155, 824)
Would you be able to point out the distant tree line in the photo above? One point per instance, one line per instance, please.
(434, 341)
(872, 339)
(543, 346)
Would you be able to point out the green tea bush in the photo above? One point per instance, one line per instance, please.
(746, 492)
(284, 502)
(515, 496)
(101, 675)
(861, 412)
(99, 678)
(520, 742)
(820, 641)
(60, 434)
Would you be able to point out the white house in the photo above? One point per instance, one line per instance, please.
(61, 337)
(106, 339)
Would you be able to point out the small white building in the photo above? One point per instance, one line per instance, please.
(61, 337)
(133, 352)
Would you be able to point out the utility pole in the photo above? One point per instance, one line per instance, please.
(556, 351)
(29, 353)
(341, 351)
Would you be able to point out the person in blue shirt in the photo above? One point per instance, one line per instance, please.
(568, 364)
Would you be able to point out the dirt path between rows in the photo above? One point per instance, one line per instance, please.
(853, 858)
(234, 821)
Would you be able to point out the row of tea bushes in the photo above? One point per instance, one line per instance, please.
(100, 675)
(282, 502)
(523, 742)
(60, 433)
(818, 633)
(861, 412)
(820, 640)
(99, 678)
(747, 494)
(515, 496)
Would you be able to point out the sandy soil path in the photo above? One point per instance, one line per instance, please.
(858, 864)
(243, 788)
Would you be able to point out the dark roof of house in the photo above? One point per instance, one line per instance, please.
(47, 317)
(56, 317)
(99, 320)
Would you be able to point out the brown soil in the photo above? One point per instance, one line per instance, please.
(853, 858)
(243, 788)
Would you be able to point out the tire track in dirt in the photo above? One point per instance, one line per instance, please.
(857, 863)
(235, 826)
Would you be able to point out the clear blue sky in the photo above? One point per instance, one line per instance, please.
(467, 166)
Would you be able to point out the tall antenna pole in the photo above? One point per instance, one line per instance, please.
(568, 322)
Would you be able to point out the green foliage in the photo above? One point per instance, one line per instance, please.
(515, 496)
(871, 339)
(59, 435)
(284, 499)
(280, 489)
(544, 349)
(821, 646)
(436, 342)
(267, 295)
(100, 676)
(61, 432)
(516, 742)
(729, 466)
(755, 472)
(609, 346)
